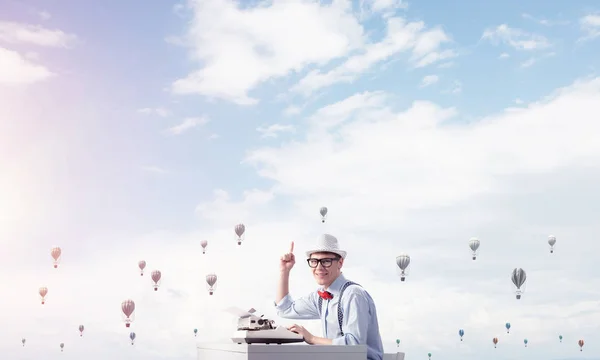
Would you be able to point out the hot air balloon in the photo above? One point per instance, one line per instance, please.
(398, 342)
(581, 343)
(507, 326)
(128, 307)
(495, 341)
(81, 330)
(195, 332)
(43, 291)
(156, 278)
(518, 278)
(429, 355)
(560, 338)
(62, 345)
(23, 341)
(525, 342)
(403, 261)
(211, 281)
(551, 242)
(239, 231)
(55, 252)
(461, 333)
(132, 337)
(323, 213)
(142, 266)
(474, 245)
(203, 243)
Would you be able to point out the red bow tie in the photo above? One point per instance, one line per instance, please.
(325, 295)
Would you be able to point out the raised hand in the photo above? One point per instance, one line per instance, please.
(288, 260)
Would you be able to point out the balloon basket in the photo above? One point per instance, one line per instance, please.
(55, 266)
(518, 297)
(155, 289)
(551, 251)
(43, 302)
(402, 279)
(127, 325)
(239, 242)
(474, 258)
(210, 292)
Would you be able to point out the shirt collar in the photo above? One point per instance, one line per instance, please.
(336, 285)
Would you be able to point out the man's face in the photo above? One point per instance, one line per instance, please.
(326, 274)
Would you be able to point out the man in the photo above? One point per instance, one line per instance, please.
(346, 310)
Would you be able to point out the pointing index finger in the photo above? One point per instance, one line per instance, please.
(292, 248)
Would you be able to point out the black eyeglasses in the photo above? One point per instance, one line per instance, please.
(326, 262)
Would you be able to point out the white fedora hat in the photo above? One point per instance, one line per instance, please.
(327, 243)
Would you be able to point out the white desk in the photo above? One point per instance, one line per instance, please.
(219, 351)
(280, 352)
(393, 356)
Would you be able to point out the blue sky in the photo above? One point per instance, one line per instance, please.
(86, 166)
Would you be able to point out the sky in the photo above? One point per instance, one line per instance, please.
(133, 131)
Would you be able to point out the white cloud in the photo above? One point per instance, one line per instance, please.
(292, 110)
(187, 124)
(516, 38)
(272, 131)
(429, 80)
(367, 135)
(533, 60)
(527, 63)
(386, 8)
(456, 88)
(504, 56)
(17, 70)
(544, 22)
(160, 111)
(32, 55)
(446, 65)
(13, 32)
(241, 48)
(331, 116)
(44, 15)
(590, 25)
(280, 38)
(401, 36)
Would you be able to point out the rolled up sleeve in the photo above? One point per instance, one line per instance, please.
(302, 308)
(356, 321)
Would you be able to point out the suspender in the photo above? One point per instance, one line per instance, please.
(339, 307)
